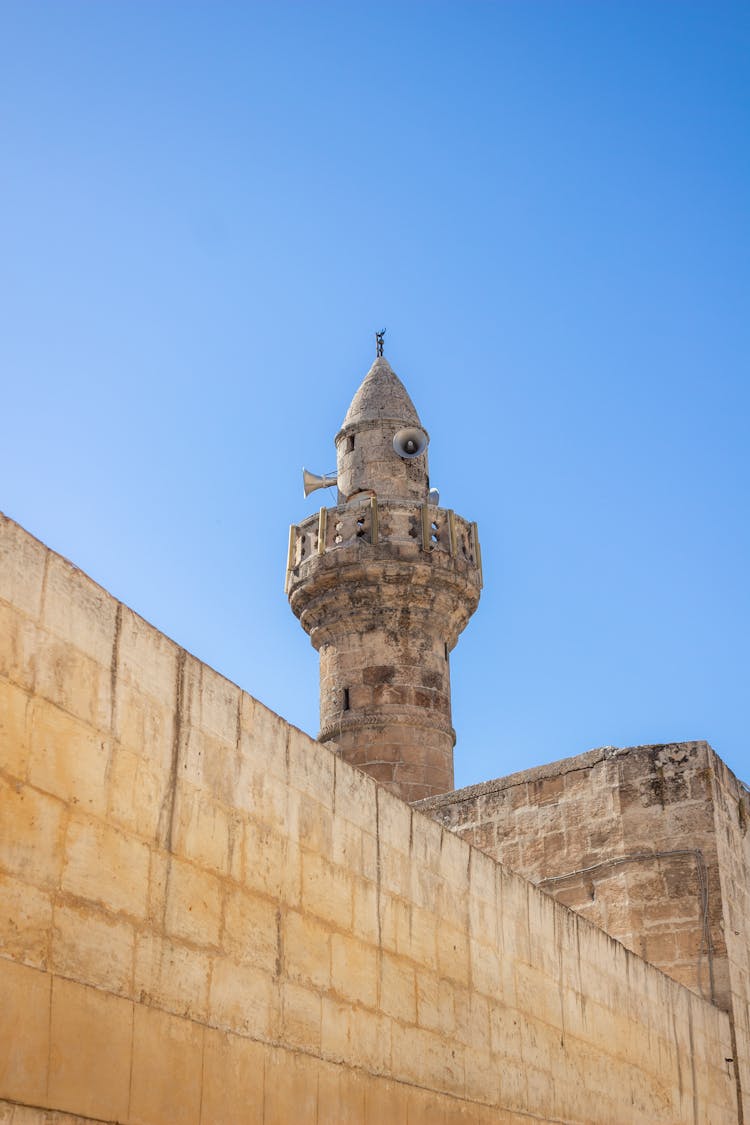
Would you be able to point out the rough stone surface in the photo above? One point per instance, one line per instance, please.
(381, 395)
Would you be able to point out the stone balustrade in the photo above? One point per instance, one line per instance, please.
(375, 523)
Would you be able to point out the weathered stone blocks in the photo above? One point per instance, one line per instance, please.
(105, 866)
(228, 923)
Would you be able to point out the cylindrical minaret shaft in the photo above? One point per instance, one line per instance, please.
(384, 583)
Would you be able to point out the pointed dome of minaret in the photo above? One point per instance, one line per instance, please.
(381, 395)
(366, 460)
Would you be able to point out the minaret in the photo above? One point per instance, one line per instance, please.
(384, 583)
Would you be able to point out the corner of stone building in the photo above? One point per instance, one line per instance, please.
(625, 837)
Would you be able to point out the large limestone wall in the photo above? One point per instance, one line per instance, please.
(207, 917)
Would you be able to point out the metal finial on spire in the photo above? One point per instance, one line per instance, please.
(379, 342)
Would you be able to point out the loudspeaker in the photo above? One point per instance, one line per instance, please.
(410, 443)
(311, 481)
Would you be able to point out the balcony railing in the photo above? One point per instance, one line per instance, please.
(373, 522)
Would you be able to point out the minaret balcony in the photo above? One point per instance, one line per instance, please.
(373, 529)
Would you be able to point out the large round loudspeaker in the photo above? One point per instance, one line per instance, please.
(410, 443)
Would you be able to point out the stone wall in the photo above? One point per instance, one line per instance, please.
(207, 917)
(630, 840)
(732, 814)
(624, 837)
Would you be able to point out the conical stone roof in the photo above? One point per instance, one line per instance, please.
(381, 396)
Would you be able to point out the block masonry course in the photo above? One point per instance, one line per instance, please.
(207, 917)
(650, 843)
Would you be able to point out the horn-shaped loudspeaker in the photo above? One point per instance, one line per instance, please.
(311, 481)
(410, 442)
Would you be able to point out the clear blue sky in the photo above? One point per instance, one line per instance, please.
(207, 209)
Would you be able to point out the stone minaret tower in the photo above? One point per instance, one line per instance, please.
(384, 583)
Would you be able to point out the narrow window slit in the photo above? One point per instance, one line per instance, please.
(345, 705)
